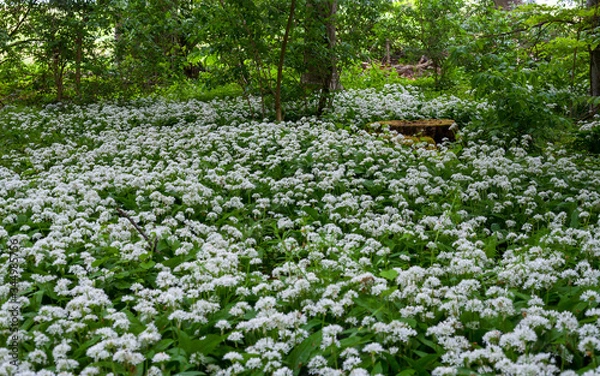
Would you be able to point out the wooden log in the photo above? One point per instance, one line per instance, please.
(437, 129)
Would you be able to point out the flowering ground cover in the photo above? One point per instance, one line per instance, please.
(164, 238)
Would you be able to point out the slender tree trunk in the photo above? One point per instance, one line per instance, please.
(388, 58)
(286, 36)
(57, 69)
(436, 73)
(78, 59)
(118, 31)
(573, 70)
(321, 70)
(331, 80)
(594, 57)
(595, 72)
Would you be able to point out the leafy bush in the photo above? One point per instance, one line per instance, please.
(357, 77)
(521, 105)
(588, 137)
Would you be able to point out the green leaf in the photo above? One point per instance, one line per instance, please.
(314, 213)
(491, 247)
(206, 345)
(300, 355)
(174, 261)
(421, 338)
(357, 339)
(427, 361)
(162, 245)
(147, 265)
(122, 285)
(574, 223)
(99, 262)
(378, 369)
(163, 345)
(390, 274)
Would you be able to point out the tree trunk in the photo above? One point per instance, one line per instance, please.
(333, 77)
(595, 72)
(312, 74)
(388, 58)
(286, 36)
(57, 69)
(118, 39)
(594, 57)
(322, 70)
(78, 59)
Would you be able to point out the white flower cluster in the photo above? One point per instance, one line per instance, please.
(395, 101)
(268, 248)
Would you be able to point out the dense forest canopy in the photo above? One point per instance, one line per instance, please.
(281, 51)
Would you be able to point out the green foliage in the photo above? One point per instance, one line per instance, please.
(357, 77)
(430, 28)
(55, 47)
(588, 138)
(186, 90)
(522, 105)
(489, 239)
(530, 64)
(95, 49)
(244, 40)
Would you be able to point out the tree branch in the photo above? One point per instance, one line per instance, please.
(151, 243)
(538, 25)
(22, 20)
(11, 45)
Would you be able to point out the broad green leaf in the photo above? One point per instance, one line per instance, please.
(302, 353)
(148, 265)
(390, 274)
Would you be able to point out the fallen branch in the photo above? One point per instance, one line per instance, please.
(151, 243)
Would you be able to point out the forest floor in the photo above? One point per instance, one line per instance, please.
(161, 238)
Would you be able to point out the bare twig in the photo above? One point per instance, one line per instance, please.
(151, 243)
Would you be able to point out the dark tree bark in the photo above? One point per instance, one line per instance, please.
(388, 58)
(288, 28)
(58, 69)
(594, 56)
(322, 70)
(78, 60)
(333, 80)
(595, 72)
